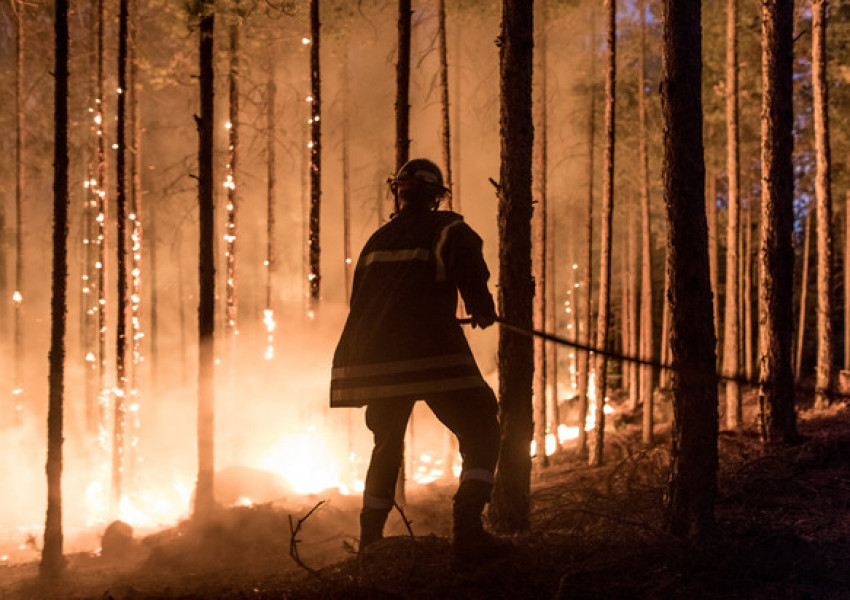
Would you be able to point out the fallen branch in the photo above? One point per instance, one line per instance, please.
(294, 530)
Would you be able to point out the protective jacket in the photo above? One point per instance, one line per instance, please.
(402, 339)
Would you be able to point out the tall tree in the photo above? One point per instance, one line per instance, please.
(711, 215)
(314, 276)
(731, 314)
(348, 265)
(231, 301)
(402, 101)
(804, 288)
(693, 483)
(776, 382)
(119, 412)
(847, 280)
(539, 245)
(271, 201)
(646, 244)
(101, 190)
(204, 498)
(509, 510)
(52, 559)
(748, 294)
(825, 380)
(584, 358)
(444, 98)
(19, 207)
(603, 317)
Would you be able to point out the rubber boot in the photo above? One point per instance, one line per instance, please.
(472, 545)
(372, 521)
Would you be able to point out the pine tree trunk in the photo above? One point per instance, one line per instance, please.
(551, 325)
(693, 483)
(776, 394)
(231, 301)
(748, 296)
(646, 343)
(509, 510)
(634, 312)
(665, 375)
(52, 559)
(731, 313)
(804, 286)
(539, 230)
(314, 276)
(603, 317)
(826, 372)
(847, 281)
(204, 498)
(102, 188)
(271, 201)
(711, 216)
(154, 299)
(136, 219)
(455, 182)
(19, 208)
(444, 98)
(402, 102)
(584, 358)
(346, 183)
(119, 413)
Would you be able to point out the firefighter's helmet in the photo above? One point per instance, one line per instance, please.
(424, 173)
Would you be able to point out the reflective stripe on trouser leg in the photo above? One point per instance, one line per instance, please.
(484, 475)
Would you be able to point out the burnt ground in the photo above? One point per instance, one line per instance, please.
(783, 533)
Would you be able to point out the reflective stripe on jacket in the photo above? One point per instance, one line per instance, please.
(402, 338)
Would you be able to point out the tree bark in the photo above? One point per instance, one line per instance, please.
(20, 141)
(102, 187)
(539, 244)
(119, 408)
(748, 295)
(603, 317)
(804, 287)
(402, 102)
(776, 393)
(314, 276)
(346, 182)
(711, 216)
(646, 344)
(847, 281)
(271, 202)
(584, 358)
(731, 314)
(693, 483)
(665, 375)
(444, 99)
(826, 371)
(204, 498)
(509, 510)
(231, 300)
(52, 559)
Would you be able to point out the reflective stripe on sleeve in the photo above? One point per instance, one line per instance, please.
(404, 255)
(403, 366)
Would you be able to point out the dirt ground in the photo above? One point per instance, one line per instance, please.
(783, 532)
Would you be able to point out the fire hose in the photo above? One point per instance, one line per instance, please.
(560, 340)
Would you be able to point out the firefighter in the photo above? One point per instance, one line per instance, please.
(402, 343)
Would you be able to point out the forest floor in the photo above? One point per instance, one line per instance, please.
(783, 516)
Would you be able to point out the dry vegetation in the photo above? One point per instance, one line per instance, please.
(783, 532)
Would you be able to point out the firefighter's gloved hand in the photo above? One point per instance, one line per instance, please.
(483, 320)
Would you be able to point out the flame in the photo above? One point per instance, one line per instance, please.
(315, 468)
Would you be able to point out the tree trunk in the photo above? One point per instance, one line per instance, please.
(19, 208)
(748, 295)
(776, 393)
(509, 511)
(646, 245)
(584, 358)
(711, 216)
(271, 201)
(314, 277)
(665, 375)
(444, 98)
(602, 318)
(204, 498)
(632, 269)
(52, 560)
(119, 412)
(693, 483)
(731, 314)
(346, 182)
(804, 286)
(539, 230)
(402, 102)
(102, 188)
(455, 182)
(847, 281)
(231, 301)
(826, 372)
